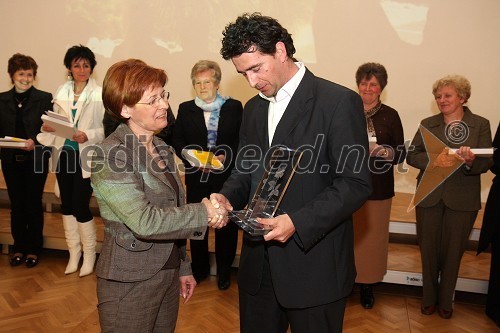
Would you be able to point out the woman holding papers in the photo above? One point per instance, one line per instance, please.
(25, 168)
(80, 101)
(210, 122)
(447, 210)
(371, 221)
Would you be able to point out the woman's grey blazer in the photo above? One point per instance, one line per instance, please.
(142, 213)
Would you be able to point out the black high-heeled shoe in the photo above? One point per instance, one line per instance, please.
(31, 262)
(366, 296)
(16, 259)
(223, 283)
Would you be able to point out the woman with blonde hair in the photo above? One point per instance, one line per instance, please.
(445, 217)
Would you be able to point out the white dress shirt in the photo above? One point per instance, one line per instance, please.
(279, 102)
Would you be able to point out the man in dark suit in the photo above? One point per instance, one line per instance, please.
(301, 272)
(490, 234)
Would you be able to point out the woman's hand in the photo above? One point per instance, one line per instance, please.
(466, 155)
(377, 150)
(30, 145)
(80, 137)
(188, 283)
(221, 158)
(217, 214)
(47, 128)
(444, 159)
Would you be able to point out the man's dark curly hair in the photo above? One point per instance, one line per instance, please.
(254, 32)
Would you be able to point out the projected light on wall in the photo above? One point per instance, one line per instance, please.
(408, 20)
(105, 46)
(184, 27)
(170, 46)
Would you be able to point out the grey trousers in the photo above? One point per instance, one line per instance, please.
(145, 306)
(442, 235)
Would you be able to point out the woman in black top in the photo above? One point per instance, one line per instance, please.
(386, 150)
(24, 169)
(210, 122)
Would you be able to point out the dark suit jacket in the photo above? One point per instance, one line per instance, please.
(190, 130)
(142, 213)
(461, 191)
(490, 230)
(36, 105)
(326, 121)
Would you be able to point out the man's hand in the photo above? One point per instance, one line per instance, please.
(282, 228)
(222, 200)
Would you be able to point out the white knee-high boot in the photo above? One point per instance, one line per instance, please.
(88, 238)
(73, 241)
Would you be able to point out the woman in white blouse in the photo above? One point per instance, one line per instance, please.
(80, 101)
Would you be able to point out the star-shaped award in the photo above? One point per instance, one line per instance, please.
(433, 175)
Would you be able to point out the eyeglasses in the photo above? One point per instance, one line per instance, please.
(156, 101)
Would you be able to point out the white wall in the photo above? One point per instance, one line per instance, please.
(418, 41)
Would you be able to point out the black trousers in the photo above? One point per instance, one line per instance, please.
(493, 297)
(75, 190)
(262, 313)
(25, 188)
(226, 239)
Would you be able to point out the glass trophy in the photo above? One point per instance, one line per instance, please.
(269, 193)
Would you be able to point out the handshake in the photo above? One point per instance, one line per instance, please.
(218, 208)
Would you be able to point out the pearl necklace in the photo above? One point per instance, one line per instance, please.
(77, 95)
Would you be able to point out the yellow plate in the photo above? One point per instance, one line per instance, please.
(202, 159)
